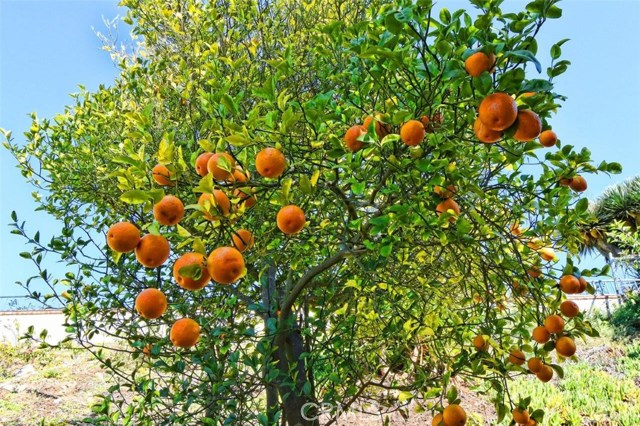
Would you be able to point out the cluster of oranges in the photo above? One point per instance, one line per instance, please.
(552, 330)
(193, 271)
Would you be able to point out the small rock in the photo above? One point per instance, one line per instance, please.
(27, 370)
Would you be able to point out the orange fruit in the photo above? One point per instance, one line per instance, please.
(270, 162)
(520, 416)
(447, 192)
(146, 350)
(569, 284)
(242, 239)
(480, 343)
(184, 333)
(152, 250)
(151, 303)
(162, 175)
(583, 284)
(123, 237)
(554, 324)
(534, 272)
(437, 420)
(545, 374)
(446, 205)
(498, 111)
(541, 334)
(454, 415)
(382, 129)
(237, 176)
(189, 283)
(515, 229)
(412, 133)
(569, 309)
(478, 63)
(201, 163)
(547, 253)
(245, 197)
(565, 181)
(532, 422)
(351, 137)
(214, 168)
(565, 346)
(528, 126)
(578, 184)
(169, 211)
(484, 134)
(516, 356)
(218, 202)
(535, 364)
(290, 219)
(226, 265)
(548, 138)
(528, 94)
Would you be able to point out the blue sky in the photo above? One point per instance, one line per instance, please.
(49, 47)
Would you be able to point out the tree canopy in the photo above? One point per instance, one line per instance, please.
(379, 298)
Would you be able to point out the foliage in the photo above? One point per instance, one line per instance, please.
(626, 318)
(378, 298)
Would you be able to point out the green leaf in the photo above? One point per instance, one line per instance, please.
(205, 185)
(554, 12)
(135, 196)
(198, 246)
(237, 140)
(405, 396)
(191, 271)
(229, 104)
(305, 184)
(526, 56)
(182, 231)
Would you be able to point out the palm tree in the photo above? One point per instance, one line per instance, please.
(615, 222)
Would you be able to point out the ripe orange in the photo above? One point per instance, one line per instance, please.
(437, 420)
(545, 374)
(517, 357)
(540, 334)
(152, 250)
(290, 219)
(565, 181)
(534, 272)
(484, 134)
(447, 192)
(569, 284)
(569, 309)
(237, 176)
(382, 129)
(218, 202)
(578, 184)
(548, 138)
(214, 168)
(184, 333)
(478, 63)
(351, 137)
(583, 284)
(565, 346)
(454, 415)
(531, 422)
(151, 303)
(480, 343)
(123, 237)
(412, 133)
(446, 205)
(245, 197)
(528, 126)
(520, 416)
(554, 324)
(169, 211)
(535, 364)
(547, 253)
(498, 111)
(226, 265)
(242, 239)
(201, 163)
(270, 162)
(189, 283)
(162, 175)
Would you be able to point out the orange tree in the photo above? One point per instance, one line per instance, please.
(400, 217)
